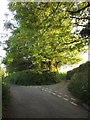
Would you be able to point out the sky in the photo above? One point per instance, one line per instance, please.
(4, 10)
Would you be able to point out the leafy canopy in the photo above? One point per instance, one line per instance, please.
(43, 38)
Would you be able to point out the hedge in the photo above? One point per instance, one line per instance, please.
(79, 83)
(28, 77)
(81, 68)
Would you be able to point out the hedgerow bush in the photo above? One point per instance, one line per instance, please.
(71, 73)
(79, 84)
(60, 76)
(28, 77)
(81, 68)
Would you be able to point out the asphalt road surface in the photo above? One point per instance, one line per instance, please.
(35, 102)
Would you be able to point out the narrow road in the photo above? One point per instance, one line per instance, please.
(34, 102)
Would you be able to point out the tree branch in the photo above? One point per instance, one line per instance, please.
(50, 14)
(87, 18)
(73, 12)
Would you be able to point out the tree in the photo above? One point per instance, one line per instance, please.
(85, 32)
(81, 14)
(43, 37)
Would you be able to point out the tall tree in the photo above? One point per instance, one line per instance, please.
(43, 37)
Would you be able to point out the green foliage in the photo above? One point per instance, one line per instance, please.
(5, 92)
(28, 77)
(42, 38)
(79, 84)
(71, 73)
(2, 72)
(5, 97)
(81, 68)
(60, 77)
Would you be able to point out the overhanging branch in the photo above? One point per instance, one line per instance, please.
(87, 18)
(74, 12)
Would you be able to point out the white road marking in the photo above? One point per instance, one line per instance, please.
(59, 95)
(73, 99)
(66, 95)
(49, 91)
(47, 88)
(73, 103)
(42, 89)
(54, 93)
(65, 99)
